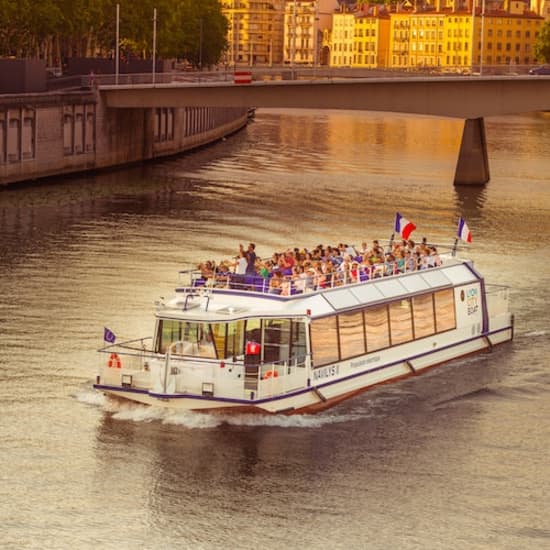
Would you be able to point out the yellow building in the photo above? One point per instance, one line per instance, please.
(452, 41)
(255, 35)
(371, 38)
(342, 39)
(505, 38)
(458, 33)
(416, 40)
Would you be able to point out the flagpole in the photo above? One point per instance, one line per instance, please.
(454, 247)
(390, 245)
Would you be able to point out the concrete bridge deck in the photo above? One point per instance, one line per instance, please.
(466, 97)
(455, 97)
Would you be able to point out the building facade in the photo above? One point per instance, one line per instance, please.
(371, 38)
(255, 35)
(305, 23)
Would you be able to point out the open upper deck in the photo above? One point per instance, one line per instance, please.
(222, 302)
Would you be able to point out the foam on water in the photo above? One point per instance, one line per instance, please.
(135, 412)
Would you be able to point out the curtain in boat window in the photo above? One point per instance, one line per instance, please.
(400, 322)
(324, 341)
(423, 315)
(377, 328)
(352, 334)
(445, 310)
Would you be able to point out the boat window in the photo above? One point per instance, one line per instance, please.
(219, 338)
(352, 334)
(276, 345)
(400, 322)
(298, 339)
(169, 331)
(324, 341)
(376, 327)
(235, 339)
(423, 315)
(445, 310)
(253, 331)
(194, 338)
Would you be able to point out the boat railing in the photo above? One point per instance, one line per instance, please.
(287, 284)
(498, 299)
(131, 354)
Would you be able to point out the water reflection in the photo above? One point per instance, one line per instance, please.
(470, 200)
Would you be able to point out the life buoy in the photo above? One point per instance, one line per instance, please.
(114, 361)
(271, 373)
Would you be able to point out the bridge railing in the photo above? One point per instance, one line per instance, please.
(260, 74)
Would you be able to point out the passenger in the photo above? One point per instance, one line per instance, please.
(275, 283)
(240, 263)
(312, 279)
(435, 257)
(410, 261)
(298, 279)
(400, 261)
(389, 264)
(354, 272)
(251, 259)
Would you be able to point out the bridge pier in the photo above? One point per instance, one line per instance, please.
(472, 167)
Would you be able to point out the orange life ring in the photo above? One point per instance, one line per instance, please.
(271, 373)
(114, 361)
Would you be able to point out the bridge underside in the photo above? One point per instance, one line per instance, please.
(467, 98)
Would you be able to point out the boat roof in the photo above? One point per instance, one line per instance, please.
(225, 304)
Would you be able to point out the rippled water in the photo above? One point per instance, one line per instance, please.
(456, 458)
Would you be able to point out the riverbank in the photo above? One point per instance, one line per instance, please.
(67, 132)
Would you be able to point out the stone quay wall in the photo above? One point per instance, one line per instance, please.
(57, 133)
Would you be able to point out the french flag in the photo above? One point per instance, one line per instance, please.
(463, 231)
(403, 226)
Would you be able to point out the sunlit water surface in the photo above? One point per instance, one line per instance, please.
(456, 458)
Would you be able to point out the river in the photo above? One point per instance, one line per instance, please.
(455, 458)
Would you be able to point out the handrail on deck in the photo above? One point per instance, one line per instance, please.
(289, 285)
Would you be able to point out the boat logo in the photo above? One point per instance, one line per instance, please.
(472, 301)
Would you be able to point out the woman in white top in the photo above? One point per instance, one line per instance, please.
(240, 264)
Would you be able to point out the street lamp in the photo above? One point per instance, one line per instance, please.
(154, 43)
(117, 40)
(482, 37)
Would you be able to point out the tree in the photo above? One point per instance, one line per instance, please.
(196, 32)
(542, 44)
(56, 29)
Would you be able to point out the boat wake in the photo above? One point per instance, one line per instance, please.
(535, 333)
(135, 412)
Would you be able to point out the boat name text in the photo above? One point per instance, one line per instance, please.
(325, 372)
(364, 362)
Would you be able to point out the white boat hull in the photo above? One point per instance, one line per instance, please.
(340, 382)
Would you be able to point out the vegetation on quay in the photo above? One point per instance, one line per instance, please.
(57, 29)
(542, 45)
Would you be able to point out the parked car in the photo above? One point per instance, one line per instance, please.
(543, 69)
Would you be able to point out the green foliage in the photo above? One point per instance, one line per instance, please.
(542, 44)
(56, 29)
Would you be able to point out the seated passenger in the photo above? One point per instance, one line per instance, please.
(275, 283)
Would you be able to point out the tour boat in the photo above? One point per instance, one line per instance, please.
(230, 344)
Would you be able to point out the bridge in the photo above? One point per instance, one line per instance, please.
(470, 98)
